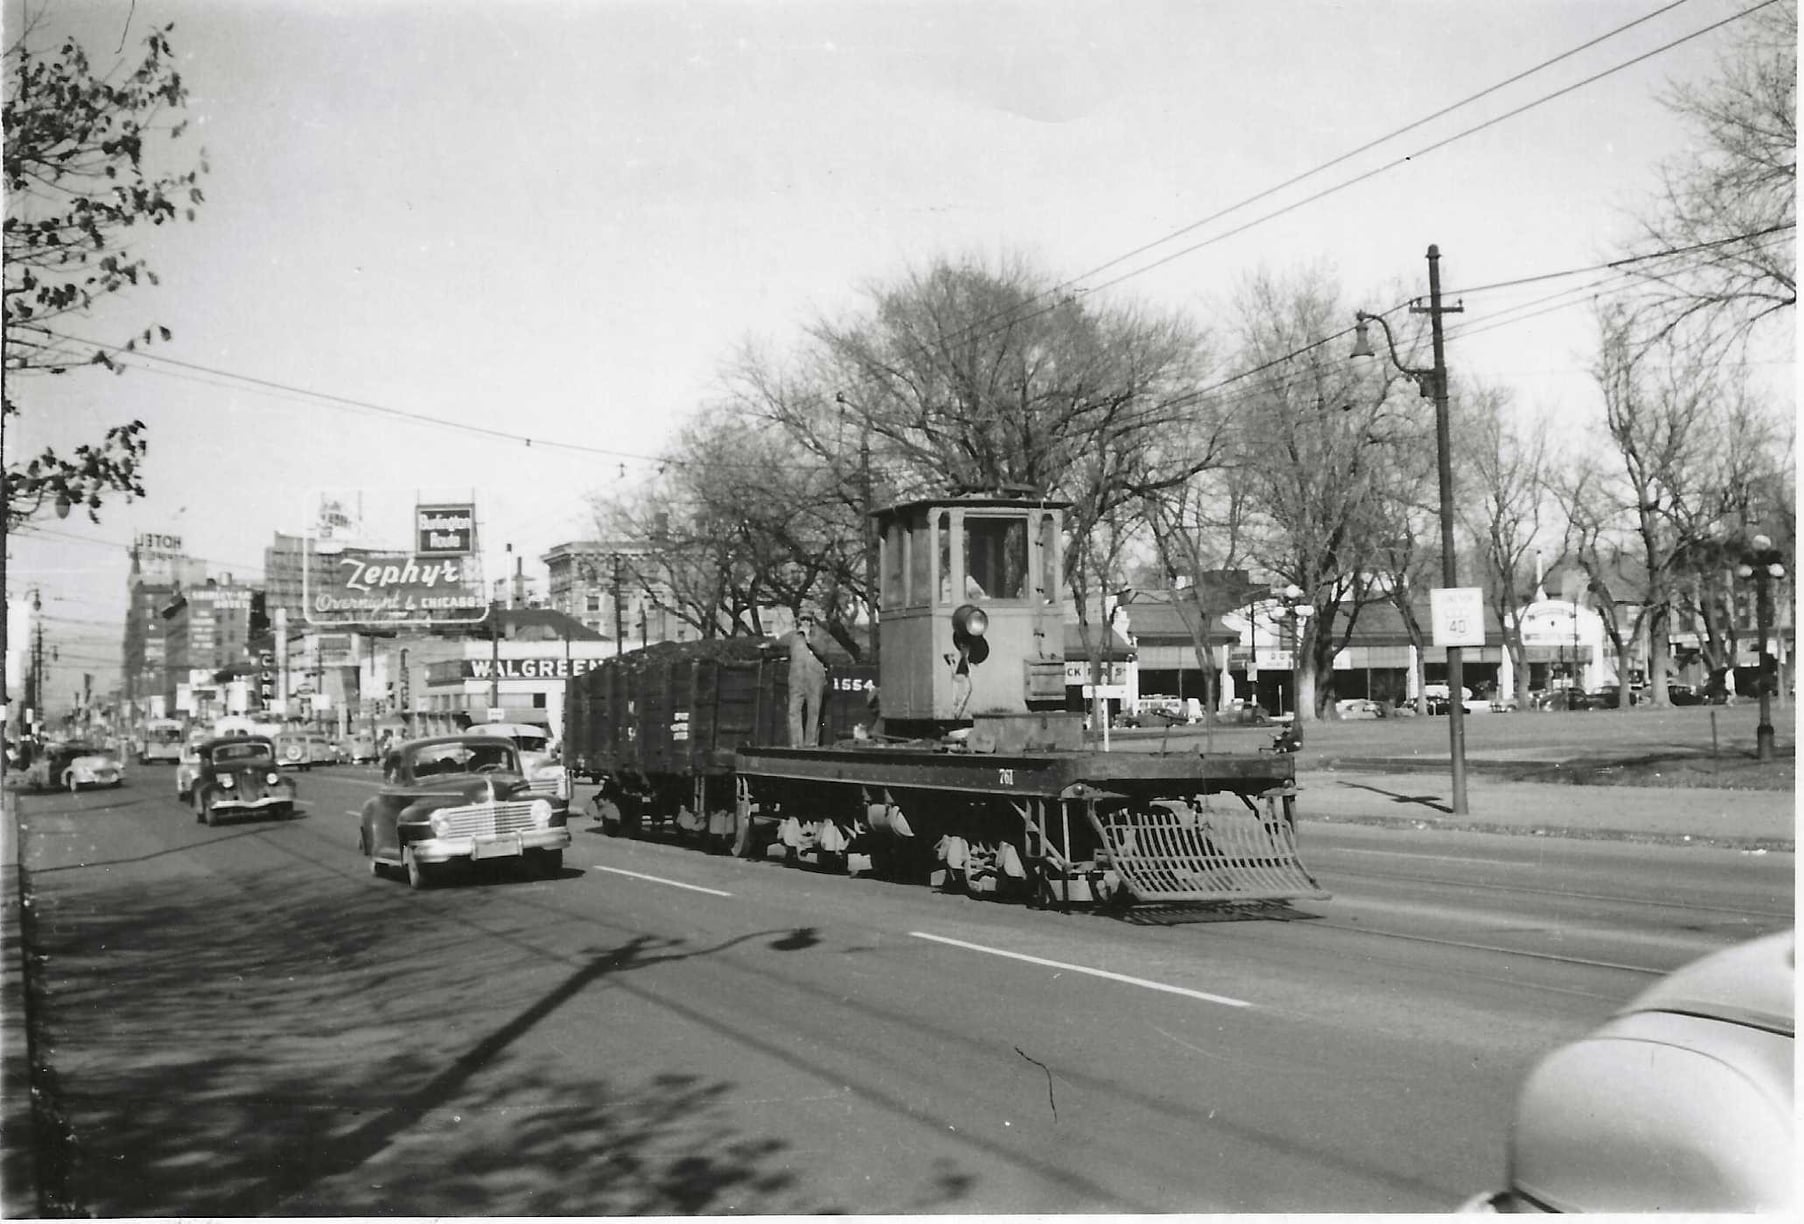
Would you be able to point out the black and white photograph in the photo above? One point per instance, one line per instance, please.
(981, 608)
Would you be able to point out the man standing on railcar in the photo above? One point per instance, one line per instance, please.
(807, 680)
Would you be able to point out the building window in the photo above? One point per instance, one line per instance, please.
(592, 602)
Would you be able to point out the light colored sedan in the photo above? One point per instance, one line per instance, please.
(1682, 1102)
(187, 768)
(96, 768)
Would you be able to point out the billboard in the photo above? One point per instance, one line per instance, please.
(391, 559)
(445, 530)
(365, 587)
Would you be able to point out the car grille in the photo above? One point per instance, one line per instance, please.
(486, 819)
(544, 786)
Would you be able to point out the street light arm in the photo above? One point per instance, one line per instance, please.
(1362, 347)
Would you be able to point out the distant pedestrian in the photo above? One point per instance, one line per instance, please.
(807, 680)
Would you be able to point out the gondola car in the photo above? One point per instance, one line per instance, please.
(963, 768)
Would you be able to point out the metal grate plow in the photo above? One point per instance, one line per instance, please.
(1170, 850)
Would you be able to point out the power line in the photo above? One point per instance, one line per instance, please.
(352, 404)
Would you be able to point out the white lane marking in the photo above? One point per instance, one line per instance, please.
(1429, 858)
(637, 875)
(352, 812)
(1101, 973)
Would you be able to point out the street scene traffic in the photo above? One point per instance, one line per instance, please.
(776, 609)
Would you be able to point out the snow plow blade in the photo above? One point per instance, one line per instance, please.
(1170, 852)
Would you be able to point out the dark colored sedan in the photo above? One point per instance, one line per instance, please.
(457, 799)
(238, 776)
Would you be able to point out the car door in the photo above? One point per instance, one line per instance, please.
(383, 808)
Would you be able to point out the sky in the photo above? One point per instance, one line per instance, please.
(560, 221)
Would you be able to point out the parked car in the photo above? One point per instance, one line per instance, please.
(187, 768)
(1359, 707)
(238, 776)
(1437, 700)
(539, 760)
(1607, 696)
(292, 751)
(1681, 1102)
(72, 765)
(1565, 699)
(323, 750)
(460, 798)
(359, 749)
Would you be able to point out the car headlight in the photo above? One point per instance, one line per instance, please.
(441, 823)
(226, 781)
(272, 777)
(541, 813)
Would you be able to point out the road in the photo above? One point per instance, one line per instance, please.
(241, 1020)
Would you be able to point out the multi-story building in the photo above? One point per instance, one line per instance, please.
(205, 628)
(602, 584)
(152, 585)
(290, 568)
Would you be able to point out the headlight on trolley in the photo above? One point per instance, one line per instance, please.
(971, 621)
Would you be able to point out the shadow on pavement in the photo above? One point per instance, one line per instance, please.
(323, 1053)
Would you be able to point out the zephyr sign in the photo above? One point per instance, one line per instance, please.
(445, 530)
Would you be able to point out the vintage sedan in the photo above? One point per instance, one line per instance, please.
(292, 750)
(72, 765)
(460, 799)
(238, 776)
(187, 767)
(1682, 1102)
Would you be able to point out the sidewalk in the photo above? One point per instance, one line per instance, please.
(1764, 819)
(18, 1139)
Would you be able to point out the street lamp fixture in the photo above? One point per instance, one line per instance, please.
(1763, 563)
(1432, 384)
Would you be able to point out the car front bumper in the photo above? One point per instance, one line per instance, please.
(234, 803)
(512, 844)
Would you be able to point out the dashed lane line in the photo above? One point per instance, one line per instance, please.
(1145, 983)
(639, 875)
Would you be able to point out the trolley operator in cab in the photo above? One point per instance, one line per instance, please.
(807, 680)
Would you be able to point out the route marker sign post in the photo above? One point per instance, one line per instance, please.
(1458, 615)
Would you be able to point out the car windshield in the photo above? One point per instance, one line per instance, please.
(434, 760)
(239, 754)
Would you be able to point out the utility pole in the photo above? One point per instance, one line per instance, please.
(1443, 443)
(1432, 383)
(494, 655)
(619, 612)
(873, 589)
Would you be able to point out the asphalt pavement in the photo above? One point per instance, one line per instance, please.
(1407, 795)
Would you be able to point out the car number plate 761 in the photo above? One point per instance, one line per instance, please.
(503, 845)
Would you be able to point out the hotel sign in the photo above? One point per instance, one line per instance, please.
(370, 588)
(445, 530)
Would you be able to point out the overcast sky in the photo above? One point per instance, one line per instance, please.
(559, 220)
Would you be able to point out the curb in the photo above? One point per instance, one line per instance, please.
(18, 1127)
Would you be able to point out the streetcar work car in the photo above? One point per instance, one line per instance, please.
(962, 768)
(460, 799)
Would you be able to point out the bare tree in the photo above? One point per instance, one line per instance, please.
(1728, 207)
(1322, 455)
(972, 377)
(1507, 468)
